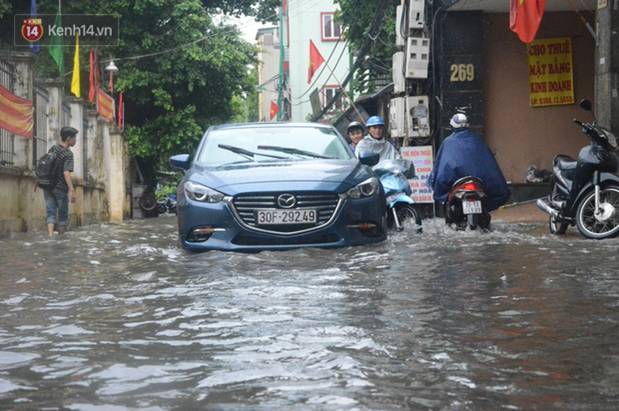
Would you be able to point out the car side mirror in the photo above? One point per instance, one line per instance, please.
(369, 159)
(585, 105)
(180, 162)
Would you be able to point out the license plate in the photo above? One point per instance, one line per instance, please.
(282, 217)
(471, 207)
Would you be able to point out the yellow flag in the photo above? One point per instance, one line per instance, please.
(75, 80)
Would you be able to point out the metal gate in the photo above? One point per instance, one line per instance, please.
(39, 147)
(7, 140)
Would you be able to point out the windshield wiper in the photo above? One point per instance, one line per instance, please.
(290, 150)
(246, 153)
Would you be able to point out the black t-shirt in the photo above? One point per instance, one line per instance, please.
(65, 163)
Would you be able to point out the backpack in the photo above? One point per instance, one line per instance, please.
(47, 170)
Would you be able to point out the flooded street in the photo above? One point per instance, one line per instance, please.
(118, 317)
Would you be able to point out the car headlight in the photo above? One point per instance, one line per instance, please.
(202, 193)
(365, 189)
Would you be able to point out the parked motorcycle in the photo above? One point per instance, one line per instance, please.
(594, 209)
(466, 205)
(394, 175)
(168, 205)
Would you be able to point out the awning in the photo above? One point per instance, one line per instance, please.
(341, 121)
(502, 6)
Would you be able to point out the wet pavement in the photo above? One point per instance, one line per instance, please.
(118, 317)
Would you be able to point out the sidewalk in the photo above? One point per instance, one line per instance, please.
(525, 213)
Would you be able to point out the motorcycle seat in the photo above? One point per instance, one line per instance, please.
(566, 165)
(565, 162)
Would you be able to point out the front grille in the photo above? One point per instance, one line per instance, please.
(304, 240)
(246, 205)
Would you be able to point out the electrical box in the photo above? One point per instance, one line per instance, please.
(416, 15)
(397, 117)
(417, 57)
(418, 116)
(400, 27)
(397, 72)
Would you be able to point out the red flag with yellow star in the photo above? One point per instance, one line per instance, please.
(274, 109)
(316, 60)
(525, 16)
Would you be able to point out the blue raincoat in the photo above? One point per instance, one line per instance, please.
(465, 154)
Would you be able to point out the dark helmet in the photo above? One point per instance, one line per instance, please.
(67, 132)
(355, 125)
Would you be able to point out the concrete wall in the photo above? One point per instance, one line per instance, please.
(305, 24)
(521, 135)
(23, 208)
(101, 193)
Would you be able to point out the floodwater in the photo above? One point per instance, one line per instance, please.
(115, 317)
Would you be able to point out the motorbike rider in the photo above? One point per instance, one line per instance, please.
(463, 154)
(355, 132)
(375, 141)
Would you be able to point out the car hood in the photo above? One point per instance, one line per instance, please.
(329, 175)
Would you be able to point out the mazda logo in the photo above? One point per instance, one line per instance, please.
(286, 201)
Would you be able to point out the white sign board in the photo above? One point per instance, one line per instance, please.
(423, 160)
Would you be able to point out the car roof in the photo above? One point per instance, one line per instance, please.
(266, 125)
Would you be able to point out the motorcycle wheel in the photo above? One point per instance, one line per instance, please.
(555, 227)
(607, 226)
(407, 215)
(473, 220)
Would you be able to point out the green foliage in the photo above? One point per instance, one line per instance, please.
(172, 97)
(357, 16)
(245, 106)
(263, 10)
(5, 7)
(163, 191)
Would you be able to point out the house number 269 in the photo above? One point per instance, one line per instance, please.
(462, 72)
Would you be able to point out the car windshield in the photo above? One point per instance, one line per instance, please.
(260, 144)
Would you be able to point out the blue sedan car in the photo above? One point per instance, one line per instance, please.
(277, 186)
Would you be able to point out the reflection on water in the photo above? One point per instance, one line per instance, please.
(118, 317)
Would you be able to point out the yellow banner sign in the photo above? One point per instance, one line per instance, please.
(551, 79)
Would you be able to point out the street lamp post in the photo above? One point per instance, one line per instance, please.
(111, 69)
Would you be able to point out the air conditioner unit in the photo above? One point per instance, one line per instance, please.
(400, 27)
(417, 57)
(416, 14)
(397, 72)
(397, 117)
(418, 116)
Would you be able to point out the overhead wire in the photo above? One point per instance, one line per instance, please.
(378, 18)
(188, 44)
(195, 41)
(317, 76)
(328, 78)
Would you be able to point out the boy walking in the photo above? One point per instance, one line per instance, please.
(57, 198)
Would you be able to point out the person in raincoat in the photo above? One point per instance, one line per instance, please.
(375, 141)
(464, 154)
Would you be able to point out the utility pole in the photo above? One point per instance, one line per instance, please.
(607, 65)
(280, 83)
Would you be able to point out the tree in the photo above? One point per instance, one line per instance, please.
(179, 70)
(357, 16)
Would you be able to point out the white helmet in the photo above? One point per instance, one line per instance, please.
(459, 120)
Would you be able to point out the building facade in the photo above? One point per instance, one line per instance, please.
(502, 85)
(268, 43)
(306, 22)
